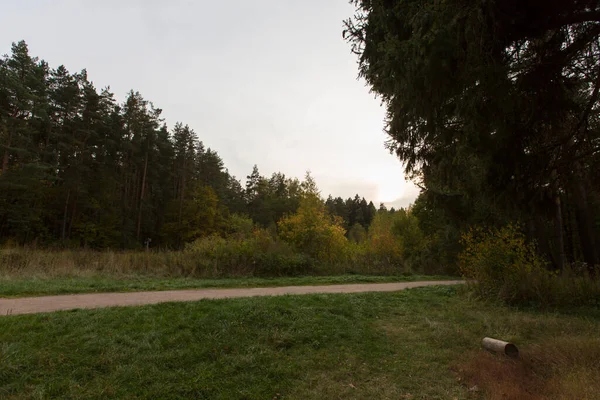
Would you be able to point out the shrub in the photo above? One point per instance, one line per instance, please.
(502, 265)
(362, 258)
(312, 231)
(259, 255)
(500, 260)
(382, 245)
(357, 233)
(239, 226)
(413, 241)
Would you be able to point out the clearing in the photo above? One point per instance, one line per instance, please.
(419, 343)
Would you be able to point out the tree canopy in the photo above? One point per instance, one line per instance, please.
(492, 106)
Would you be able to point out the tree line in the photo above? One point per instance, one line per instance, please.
(79, 168)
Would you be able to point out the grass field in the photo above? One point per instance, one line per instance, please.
(416, 344)
(20, 286)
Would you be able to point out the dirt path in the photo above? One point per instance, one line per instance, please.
(31, 305)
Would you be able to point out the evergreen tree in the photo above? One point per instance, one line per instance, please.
(78, 168)
(492, 107)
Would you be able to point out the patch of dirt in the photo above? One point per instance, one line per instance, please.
(560, 368)
(500, 378)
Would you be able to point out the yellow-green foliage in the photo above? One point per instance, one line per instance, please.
(239, 226)
(258, 255)
(504, 266)
(357, 233)
(314, 232)
(497, 253)
(307, 242)
(406, 228)
(193, 218)
(381, 241)
(394, 244)
(499, 260)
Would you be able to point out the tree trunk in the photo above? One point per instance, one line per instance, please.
(543, 237)
(124, 188)
(4, 162)
(585, 225)
(64, 225)
(558, 231)
(139, 219)
(181, 194)
(133, 201)
(5, 156)
(569, 226)
(73, 214)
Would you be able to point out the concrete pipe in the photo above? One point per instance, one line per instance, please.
(498, 346)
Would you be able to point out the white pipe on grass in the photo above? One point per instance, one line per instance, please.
(499, 346)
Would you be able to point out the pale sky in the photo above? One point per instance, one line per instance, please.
(266, 82)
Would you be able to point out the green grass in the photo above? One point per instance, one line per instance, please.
(361, 346)
(20, 286)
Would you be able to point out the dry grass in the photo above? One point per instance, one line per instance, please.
(563, 368)
(230, 260)
(40, 263)
(26, 272)
(86, 263)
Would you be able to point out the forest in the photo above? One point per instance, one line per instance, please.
(501, 133)
(81, 170)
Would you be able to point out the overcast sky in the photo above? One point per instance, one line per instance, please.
(266, 82)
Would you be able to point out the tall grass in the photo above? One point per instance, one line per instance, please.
(212, 257)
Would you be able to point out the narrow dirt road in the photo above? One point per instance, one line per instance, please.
(31, 305)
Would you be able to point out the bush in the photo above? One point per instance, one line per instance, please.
(258, 255)
(239, 226)
(362, 258)
(309, 242)
(313, 232)
(357, 233)
(502, 265)
(406, 228)
(382, 245)
(396, 240)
